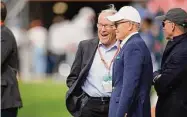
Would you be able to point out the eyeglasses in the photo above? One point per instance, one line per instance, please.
(106, 26)
(164, 23)
(117, 23)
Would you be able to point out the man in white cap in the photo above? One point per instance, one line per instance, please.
(132, 68)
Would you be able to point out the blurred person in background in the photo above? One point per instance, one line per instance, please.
(90, 78)
(24, 52)
(65, 35)
(146, 33)
(170, 81)
(132, 70)
(164, 5)
(81, 28)
(58, 41)
(37, 35)
(83, 24)
(10, 95)
(159, 42)
(146, 30)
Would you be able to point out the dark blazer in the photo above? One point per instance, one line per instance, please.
(10, 96)
(132, 80)
(171, 85)
(79, 71)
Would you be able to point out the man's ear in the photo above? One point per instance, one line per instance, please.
(130, 26)
(173, 26)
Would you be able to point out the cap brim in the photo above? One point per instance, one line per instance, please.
(115, 17)
(161, 18)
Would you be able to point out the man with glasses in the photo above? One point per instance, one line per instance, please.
(132, 69)
(171, 80)
(90, 81)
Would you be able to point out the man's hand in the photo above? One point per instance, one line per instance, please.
(153, 111)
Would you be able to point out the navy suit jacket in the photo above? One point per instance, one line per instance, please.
(132, 80)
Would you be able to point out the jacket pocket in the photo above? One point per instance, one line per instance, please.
(73, 102)
(8, 77)
(84, 101)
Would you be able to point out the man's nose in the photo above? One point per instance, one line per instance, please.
(103, 28)
(114, 28)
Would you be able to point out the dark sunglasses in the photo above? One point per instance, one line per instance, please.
(164, 23)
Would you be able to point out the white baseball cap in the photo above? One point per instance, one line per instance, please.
(127, 13)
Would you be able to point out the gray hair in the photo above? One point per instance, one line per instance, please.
(183, 29)
(111, 9)
(137, 25)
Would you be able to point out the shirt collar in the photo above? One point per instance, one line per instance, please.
(176, 38)
(114, 45)
(127, 38)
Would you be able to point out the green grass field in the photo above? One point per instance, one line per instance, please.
(43, 99)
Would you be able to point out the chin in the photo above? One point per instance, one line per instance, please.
(104, 41)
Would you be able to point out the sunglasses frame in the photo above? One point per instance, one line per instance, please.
(164, 23)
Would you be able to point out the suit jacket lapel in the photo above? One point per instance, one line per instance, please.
(92, 49)
(84, 72)
(167, 51)
(120, 54)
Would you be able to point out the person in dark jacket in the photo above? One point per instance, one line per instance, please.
(10, 95)
(171, 80)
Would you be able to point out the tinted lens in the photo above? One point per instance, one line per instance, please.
(116, 24)
(163, 24)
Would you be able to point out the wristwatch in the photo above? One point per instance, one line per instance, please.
(156, 77)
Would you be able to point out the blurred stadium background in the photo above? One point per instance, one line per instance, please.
(48, 32)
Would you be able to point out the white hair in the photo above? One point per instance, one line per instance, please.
(137, 25)
(111, 9)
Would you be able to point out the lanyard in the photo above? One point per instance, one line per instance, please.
(103, 60)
